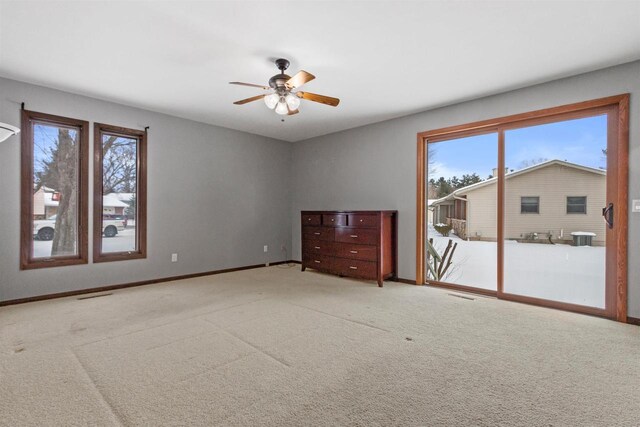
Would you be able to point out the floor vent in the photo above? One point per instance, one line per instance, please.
(94, 296)
(462, 296)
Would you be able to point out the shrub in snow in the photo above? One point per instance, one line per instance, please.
(437, 263)
(443, 229)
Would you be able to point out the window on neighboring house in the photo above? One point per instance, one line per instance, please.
(577, 205)
(530, 204)
(119, 197)
(54, 181)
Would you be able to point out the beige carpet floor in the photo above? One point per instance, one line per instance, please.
(276, 346)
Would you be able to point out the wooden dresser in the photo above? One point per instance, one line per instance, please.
(360, 244)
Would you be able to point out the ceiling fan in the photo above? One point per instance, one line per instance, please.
(282, 96)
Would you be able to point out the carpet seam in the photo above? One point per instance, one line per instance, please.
(195, 316)
(341, 318)
(206, 371)
(113, 410)
(250, 344)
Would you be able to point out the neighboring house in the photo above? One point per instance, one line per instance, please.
(124, 197)
(430, 211)
(554, 197)
(46, 200)
(45, 203)
(113, 205)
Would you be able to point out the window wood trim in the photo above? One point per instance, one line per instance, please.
(617, 109)
(27, 261)
(141, 193)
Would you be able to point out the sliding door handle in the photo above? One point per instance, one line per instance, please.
(607, 214)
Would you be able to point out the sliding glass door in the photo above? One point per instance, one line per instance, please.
(530, 207)
(461, 211)
(555, 188)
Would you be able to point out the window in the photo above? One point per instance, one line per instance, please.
(577, 205)
(54, 186)
(530, 204)
(119, 197)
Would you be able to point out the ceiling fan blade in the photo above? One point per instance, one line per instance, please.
(299, 79)
(292, 112)
(249, 84)
(319, 98)
(253, 98)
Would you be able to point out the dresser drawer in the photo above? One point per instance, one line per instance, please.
(318, 233)
(362, 252)
(363, 236)
(317, 247)
(318, 262)
(311, 219)
(355, 268)
(363, 220)
(334, 220)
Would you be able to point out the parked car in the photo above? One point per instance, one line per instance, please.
(43, 229)
(117, 218)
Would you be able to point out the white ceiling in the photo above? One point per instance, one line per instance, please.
(382, 59)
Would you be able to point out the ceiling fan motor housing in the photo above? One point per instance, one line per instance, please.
(278, 80)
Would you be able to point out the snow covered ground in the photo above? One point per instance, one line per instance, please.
(555, 272)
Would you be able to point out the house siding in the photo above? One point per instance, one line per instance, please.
(482, 213)
(553, 184)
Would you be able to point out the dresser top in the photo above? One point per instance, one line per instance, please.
(347, 212)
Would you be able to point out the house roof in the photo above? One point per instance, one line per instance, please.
(124, 197)
(112, 200)
(490, 181)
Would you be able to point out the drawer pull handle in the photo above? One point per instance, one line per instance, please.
(353, 268)
(317, 233)
(316, 247)
(308, 219)
(317, 262)
(354, 252)
(355, 236)
(332, 219)
(362, 220)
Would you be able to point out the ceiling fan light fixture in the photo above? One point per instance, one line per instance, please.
(292, 101)
(271, 100)
(281, 108)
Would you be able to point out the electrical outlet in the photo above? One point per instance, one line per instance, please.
(635, 206)
(266, 248)
(174, 257)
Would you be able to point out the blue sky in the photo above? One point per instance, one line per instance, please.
(45, 138)
(578, 141)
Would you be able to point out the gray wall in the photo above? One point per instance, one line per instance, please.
(374, 167)
(215, 196)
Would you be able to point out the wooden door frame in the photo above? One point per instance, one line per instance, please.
(617, 108)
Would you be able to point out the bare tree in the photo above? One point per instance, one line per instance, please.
(65, 167)
(58, 169)
(119, 165)
(431, 161)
